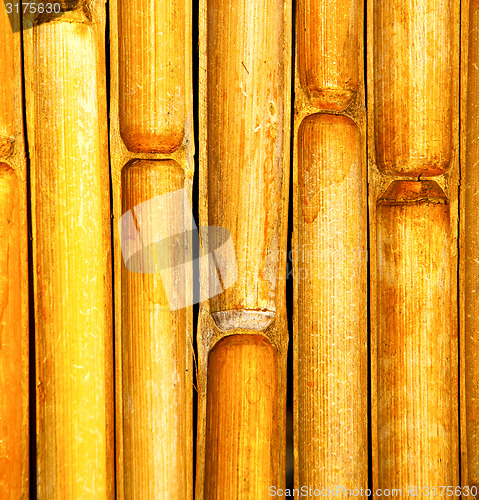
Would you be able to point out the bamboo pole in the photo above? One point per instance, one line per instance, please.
(329, 248)
(417, 420)
(242, 399)
(328, 50)
(14, 327)
(243, 188)
(151, 138)
(469, 250)
(67, 133)
(331, 314)
(413, 122)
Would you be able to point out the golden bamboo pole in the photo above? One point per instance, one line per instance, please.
(67, 131)
(331, 314)
(241, 369)
(413, 120)
(417, 414)
(14, 329)
(243, 188)
(469, 249)
(329, 248)
(329, 51)
(151, 122)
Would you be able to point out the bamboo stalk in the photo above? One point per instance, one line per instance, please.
(417, 421)
(329, 51)
(14, 327)
(72, 262)
(242, 400)
(413, 88)
(331, 310)
(469, 240)
(413, 120)
(243, 188)
(152, 93)
(154, 362)
(329, 248)
(7, 81)
(151, 122)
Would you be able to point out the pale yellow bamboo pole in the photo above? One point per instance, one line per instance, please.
(244, 135)
(413, 119)
(72, 258)
(331, 315)
(470, 241)
(151, 118)
(14, 328)
(417, 419)
(329, 51)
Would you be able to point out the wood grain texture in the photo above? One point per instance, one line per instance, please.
(72, 254)
(331, 309)
(242, 426)
(245, 98)
(153, 51)
(7, 83)
(157, 450)
(413, 86)
(416, 394)
(328, 49)
(470, 261)
(245, 149)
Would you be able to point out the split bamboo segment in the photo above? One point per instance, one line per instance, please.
(67, 131)
(14, 327)
(151, 137)
(417, 412)
(329, 51)
(413, 86)
(245, 60)
(331, 335)
(470, 250)
(413, 121)
(329, 248)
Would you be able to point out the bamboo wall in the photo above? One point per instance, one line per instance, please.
(144, 351)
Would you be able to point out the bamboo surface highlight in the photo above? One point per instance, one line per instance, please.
(329, 248)
(413, 132)
(14, 321)
(65, 76)
(151, 150)
(244, 173)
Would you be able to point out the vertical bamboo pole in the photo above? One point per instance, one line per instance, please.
(151, 141)
(67, 130)
(469, 248)
(413, 120)
(416, 396)
(14, 332)
(329, 248)
(244, 65)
